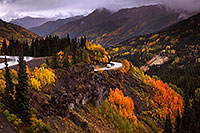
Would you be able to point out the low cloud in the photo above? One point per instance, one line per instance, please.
(8, 1)
(62, 8)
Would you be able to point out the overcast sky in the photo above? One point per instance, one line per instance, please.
(64, 8)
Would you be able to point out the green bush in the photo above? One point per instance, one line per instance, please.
(2, 106)
(6, 112)
(176, 89)
(11, 117)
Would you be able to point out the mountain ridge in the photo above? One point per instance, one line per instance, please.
(28, 22)
(50, 26)
(112, 28)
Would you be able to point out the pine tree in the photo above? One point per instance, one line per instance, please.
(178, 125)
(22, 99)
(186, 119)
(168, 124)
(4, 48)
(55, 62)
(9, 90)
(66, 61)
(11, 48)
(47, 62)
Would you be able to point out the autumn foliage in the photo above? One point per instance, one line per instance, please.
(162, 98)
(99, 53)
(165, 100)
(41, 77)
(123, 104)
(119, 110)
(126, 66)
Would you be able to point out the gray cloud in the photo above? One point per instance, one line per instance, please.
(60, 8)
(8, 1)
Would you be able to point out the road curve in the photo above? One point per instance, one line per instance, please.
(116, 65)
(13, 61)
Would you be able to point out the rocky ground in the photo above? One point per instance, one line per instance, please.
(77, 94)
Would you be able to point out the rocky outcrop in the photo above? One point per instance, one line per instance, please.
(78, 85)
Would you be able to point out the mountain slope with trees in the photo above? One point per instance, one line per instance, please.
(179, 43)
(50, 26)
(177, 47)
(107, 28)
(8, 31)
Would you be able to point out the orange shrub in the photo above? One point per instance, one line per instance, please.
(123, 104)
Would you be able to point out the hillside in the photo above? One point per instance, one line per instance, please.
(107, 28)
(8, 30)
(176, 46)
(50, 26)
(67, 95)
(75, 102)
(28, 22)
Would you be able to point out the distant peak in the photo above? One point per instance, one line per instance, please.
(102, 10)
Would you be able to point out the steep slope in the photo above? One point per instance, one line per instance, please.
(8, 30)
(106, 28)
(176, 46)
(50, 26)
(28, 22)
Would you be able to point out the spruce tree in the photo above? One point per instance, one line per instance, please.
(178, 125)
(22, 98)
(186, 119)
(9, 90)
(168, 124)
(47, 62)
(4, 48)
(55, 62)
(66, 61)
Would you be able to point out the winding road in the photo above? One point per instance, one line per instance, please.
(13, 61)
(116, 65)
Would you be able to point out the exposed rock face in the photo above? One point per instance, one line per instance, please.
(76, 87)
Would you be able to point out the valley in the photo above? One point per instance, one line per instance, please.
(134, 69)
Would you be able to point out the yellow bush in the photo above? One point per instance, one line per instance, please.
(41, 77)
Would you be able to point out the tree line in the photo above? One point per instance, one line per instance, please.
(41, 47)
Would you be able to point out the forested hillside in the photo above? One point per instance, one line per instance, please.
(178, 44)
(8, 30)
(172, 54)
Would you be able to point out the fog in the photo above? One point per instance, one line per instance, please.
(10, 9)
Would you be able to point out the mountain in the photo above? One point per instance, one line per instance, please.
(71, 93)
(28, 22)
(173, 53)
(50, 26)
(108, 28)
(8, 30)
